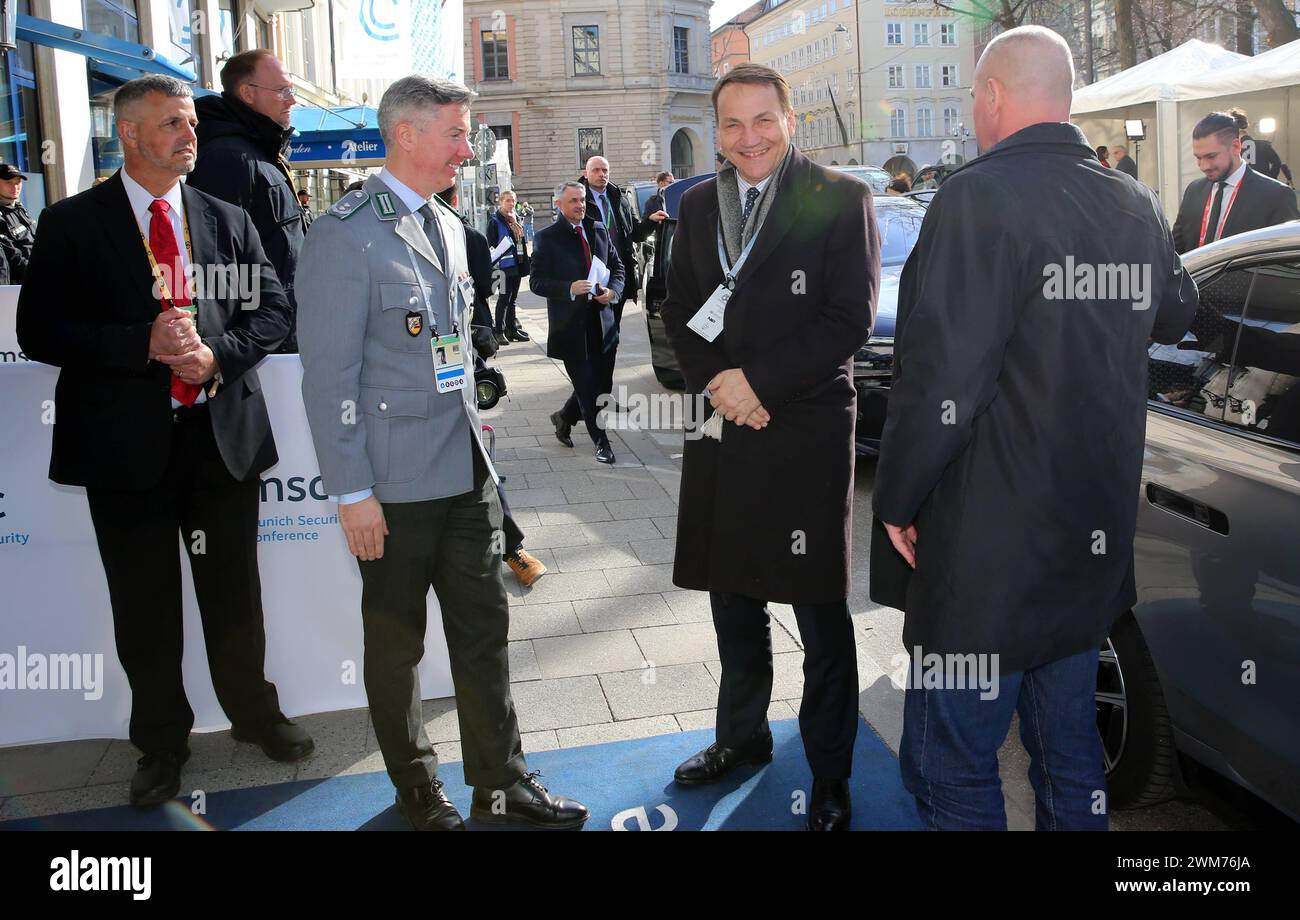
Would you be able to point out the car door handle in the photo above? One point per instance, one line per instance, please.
(1197, 512)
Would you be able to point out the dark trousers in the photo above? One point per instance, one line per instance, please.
(216, 517)
(590, 377)
(505, 313)
(446, 544)
(513, 534)
(828, 715)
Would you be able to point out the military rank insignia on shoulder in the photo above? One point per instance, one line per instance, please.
(349, 204)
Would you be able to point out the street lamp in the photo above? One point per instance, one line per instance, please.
(857, 81)
(962, 133)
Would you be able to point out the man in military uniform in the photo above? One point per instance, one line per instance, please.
(384, 314)
(17, 229)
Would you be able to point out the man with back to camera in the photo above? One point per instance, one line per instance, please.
(1009, 497)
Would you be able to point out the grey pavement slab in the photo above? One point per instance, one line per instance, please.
(659, 691)
(618, 731)
(592, 556)
(532, 621)
(623, 612)
(561, 703)
(590, 653)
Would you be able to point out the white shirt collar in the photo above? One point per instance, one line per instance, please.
(140, 198)
(407, 195)
(745, 186)
(1236, 177)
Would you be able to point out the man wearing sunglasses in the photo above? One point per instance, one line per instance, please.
(243, 136)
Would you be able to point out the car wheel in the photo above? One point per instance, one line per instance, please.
(1136, 734)
(487, 394)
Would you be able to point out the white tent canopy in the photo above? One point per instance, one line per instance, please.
(1275, 69)
(1157, 79)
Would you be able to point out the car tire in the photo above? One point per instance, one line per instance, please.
(1141, 757)
(487, 394)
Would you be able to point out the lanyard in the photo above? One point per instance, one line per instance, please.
(731, 271)
(1223, 220)
(157, 272)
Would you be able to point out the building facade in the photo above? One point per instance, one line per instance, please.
(563, 80)
(730, 44)
(879, 82)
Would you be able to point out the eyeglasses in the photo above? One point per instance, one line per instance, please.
(287, 92)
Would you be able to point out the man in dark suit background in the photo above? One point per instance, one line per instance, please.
(655, 203)
(1232, 198)
(1258, 152)
(1009, 500)
(583, 328)
(765, 511)
(1123, 162)
(161, 418)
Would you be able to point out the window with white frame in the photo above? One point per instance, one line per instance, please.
(951, 118)
(924, 121)
(921, 76)
(920, 33)
(898, 123)
(948, 34)
(948, 75)
(681, 50)
(896, 78)
(893, 33)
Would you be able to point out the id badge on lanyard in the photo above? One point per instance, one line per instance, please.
(448, 351)
(708, 320)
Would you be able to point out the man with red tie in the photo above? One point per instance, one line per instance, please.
(1232, 198)
(134, 291)
(583, 331)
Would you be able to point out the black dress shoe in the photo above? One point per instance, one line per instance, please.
(527, 802)
(427, 808)
(604, 454)
(280, 740)
(500, 337)
(830, 809)
(716, 762)
(563, 430)
(518, 335)
(157, 778)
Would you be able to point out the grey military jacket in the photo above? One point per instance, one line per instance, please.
(364, 330)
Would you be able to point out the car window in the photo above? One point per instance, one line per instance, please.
(1192, 374)
(1261, 382)
(899, 228)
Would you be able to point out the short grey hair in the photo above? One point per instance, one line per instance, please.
(572, 183)
(410, 94)
(128, 94)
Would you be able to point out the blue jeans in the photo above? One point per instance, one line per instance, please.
(949, 753)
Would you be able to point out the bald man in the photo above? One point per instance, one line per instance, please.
(1012, 452)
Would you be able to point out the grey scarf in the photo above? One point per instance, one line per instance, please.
(730, 208)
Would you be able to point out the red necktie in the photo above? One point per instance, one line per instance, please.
(162, 240)
(586, 250)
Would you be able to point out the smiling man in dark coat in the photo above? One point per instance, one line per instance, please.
(765, 511)
(1010, 465)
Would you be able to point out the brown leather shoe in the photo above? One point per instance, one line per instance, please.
(527, 568)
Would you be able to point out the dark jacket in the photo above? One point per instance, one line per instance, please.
(479, 254)
(767, 514)
(514, 261)
(558, 261)
(240, 161)
(17, 230)
(1260, 202)
(114, 421)
(627, 232)
(1127, 165)
(1263, 158)
(1017, 416)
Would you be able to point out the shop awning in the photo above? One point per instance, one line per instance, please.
(103, 48)
(338, 136)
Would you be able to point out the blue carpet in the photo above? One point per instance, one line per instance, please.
(630, 780)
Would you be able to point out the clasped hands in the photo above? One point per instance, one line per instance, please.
(730, 393)
(174, 341)
(578, 288)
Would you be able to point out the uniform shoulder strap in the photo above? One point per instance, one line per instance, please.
(349, 204)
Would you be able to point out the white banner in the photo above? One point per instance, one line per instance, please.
(374, 38)
(59, 675)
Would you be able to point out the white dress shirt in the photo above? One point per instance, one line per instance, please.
(1233, 181)
(745, 187)
(141, 198)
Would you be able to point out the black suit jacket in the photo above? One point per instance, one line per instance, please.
(628, 232)
(88, 308)
(1260, 202)
(558, 261)
(1017, 414)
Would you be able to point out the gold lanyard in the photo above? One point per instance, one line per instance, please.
(157, 272)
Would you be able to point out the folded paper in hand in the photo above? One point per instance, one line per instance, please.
(599, 273)
(500, 248)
